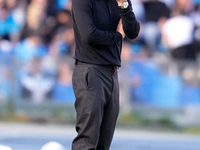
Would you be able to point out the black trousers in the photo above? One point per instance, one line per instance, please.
(96, 90)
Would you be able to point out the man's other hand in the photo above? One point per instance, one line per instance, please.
(120, 28)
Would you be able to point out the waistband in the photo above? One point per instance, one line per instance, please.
(112, 67)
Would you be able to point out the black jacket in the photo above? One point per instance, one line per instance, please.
(95, 23)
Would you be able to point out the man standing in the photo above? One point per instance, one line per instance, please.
(99, 28)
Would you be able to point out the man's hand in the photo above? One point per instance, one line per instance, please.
(120, 28)
(120, 2)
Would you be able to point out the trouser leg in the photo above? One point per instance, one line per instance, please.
(111, 111)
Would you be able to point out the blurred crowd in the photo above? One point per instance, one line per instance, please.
(37, 46)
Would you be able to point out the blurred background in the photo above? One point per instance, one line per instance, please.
(159, 78)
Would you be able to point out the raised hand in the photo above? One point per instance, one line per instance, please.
(120, 2)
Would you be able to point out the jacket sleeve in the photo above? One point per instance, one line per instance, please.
(83, 22)
(131, 26)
